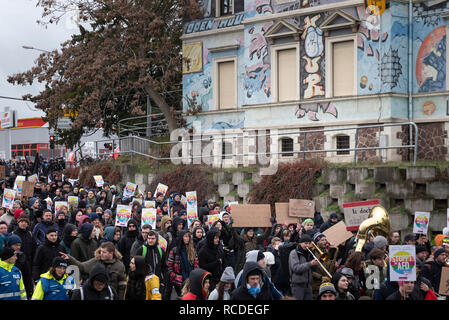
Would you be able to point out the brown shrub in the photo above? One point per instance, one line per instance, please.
(86, 179)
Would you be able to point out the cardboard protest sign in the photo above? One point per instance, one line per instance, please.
(73, 201)
(301, 208)
(444, 282)
(357, 212)
(28, 189)
(59, 205)
(130, 189)
(251, 215)
(421, 222)
(282, 214)
(211, 219)
(402, 263)
(162, 188)
(149, 217)
(18, 184)
(123, 215)
(150, 204)
(2, 172)
(8, 198)
(337, 234)
(99, 181)
(33, 178)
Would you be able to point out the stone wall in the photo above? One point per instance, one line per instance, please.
(368, 137)
(314, 141)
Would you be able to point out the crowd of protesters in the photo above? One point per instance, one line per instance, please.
(78, 253)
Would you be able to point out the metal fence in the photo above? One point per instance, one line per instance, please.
(135, 145)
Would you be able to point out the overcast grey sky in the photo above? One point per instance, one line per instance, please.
(19, 27)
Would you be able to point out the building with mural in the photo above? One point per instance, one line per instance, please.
(312, 65)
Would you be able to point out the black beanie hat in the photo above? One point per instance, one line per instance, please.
(260, 255)
(59, 262)
(7, 253)
(51, 229)
(305, 238)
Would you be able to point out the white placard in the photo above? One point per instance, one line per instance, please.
(421, 222)
(402, 263)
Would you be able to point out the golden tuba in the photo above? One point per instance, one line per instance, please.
(377, 224)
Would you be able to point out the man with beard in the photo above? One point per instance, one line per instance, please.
(40, 229)
(46, 252)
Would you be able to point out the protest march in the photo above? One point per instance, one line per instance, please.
(60, 240)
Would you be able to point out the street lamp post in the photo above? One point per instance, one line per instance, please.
(33, 48)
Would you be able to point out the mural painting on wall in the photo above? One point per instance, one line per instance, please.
(431, 62)
(370, 40)
(429, 12)
(311, 110)
(192, 57)
(428, 108)
(312, 62)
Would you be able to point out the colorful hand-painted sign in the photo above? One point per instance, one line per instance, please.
(421, 222)
(8, 198)
(402, 263)
(130, 189)
(123, 215)
(149, 217)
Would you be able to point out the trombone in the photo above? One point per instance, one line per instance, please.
(321, 265)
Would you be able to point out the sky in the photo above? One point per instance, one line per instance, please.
(19, 27)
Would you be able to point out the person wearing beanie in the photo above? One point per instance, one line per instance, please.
(308, 227)
(327, 291)
(226, 285)
(126, 242)
(28, 246)
(61, 221)
(15, 243)
(410, 239)
(108, 219)
(84, 246)
(55, 284)
(380, 242)
(421, 253)
(69, 234)
(432, 269)
(12, 286)
(97, 287)
(333, 219)
(300, 264)
(46, 252)
(324, 252)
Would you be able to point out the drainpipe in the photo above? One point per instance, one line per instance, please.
(410, 68)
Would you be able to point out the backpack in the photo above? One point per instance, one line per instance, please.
(144, 251)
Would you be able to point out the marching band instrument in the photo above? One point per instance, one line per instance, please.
(378, 223)
(318, 260)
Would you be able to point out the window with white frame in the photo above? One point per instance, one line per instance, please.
(286, 73)
(341, 66)
(224, 7)
(286, 147)
(225, 84)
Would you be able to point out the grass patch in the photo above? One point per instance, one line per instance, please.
(249, 181)
(324, 194)
(333, 208)
(399, 210)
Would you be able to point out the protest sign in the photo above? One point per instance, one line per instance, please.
(150, 204)
(2, 172)
(49, 203)
(99, 181)
(402, 263)
(211, 219)
(192, 200)
(192, 214)
(123, 215)
(73, 201)
(73, 181)
(444, 282)
(33, 178)
(18, 184)
(162, 242)
(282, 216)
(162, 188)
(149, 217)
(301, 208)
(130, 188)
(192, 207)
(357, 212)
(251, 215)
(140, 201)
(8, 198)
(59, 205)
(421, 222)
(28, 189)
(337, 234)
(184, 201)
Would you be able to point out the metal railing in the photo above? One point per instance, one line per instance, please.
(135, 145)
(153, 125)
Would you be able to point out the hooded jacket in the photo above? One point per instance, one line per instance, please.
(126, 242)
(196, 291)
(88, 292)
(142, 284)
(114, 267)
(67, 238)
(178, 265)
(210, 256)
(83, 248)
(242, 292)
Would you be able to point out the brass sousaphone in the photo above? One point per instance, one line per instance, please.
(377, 224)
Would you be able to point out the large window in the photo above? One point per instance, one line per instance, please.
(225, 84)
(285, 62)
(341, 66)
(24, 150)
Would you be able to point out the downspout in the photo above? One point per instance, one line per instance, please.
(410, 70)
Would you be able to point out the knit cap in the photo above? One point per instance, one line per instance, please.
(228, 275)
(327, 287)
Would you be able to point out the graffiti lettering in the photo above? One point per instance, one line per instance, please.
(311, 109)
(312, 65)
(313, 89)
(210, 24)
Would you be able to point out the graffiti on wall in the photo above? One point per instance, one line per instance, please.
(312, 109)
(428, 13)
(312, 62)
(431, 62)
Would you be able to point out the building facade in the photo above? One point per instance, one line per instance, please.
(321, 66)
